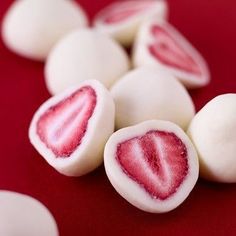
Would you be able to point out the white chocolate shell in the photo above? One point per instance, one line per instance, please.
(22, 215)
(213, 132)
(150, 93)
(85, 54)
(32, 27)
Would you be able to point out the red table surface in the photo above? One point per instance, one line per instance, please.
(89, 205)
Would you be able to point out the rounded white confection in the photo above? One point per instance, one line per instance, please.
(142, 57)
(131, 190)
(85, 54)
(21, 215)
(126, 30)
(150, 93)
(32, 27)
(89, 154)
(213, 132)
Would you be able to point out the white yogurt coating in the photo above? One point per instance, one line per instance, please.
(85, 54)
(124, 29)
(174, 48)
(87, 155)
(133, 192)
(32, 27)
(151, 93)
(22, 215)
(213, 132)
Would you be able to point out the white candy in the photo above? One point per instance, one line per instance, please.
(70, 130)
(121, 20)
(153, 165)
(85, 54)
(213, 132)
(21, 215)
(150, 93)
(160, 44)
(32, 27)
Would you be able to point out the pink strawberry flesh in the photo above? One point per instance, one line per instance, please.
(169, 51)
(62, 127)
(157, 161)
(116, 14)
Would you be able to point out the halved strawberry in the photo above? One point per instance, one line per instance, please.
(63, 125)
(122, 11)
(161, 45)
(153, 165)
(121, 20)
(70, 129)
(169, 52)
(157, 161)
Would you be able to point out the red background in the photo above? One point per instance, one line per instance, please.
(89, 205)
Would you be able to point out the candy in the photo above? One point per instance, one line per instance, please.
(121, 20)
(85, 54)
(213, 132)
(32, 27)
(160, 44)
(151, 93)
(70, 130)
(153, 165)
(24, 215)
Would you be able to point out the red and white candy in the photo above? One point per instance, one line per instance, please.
(160, 44)
(153, 165)
(70, 130)
(150, 93)
(122, 19)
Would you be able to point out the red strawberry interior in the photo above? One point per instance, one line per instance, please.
(157, 161)
(123, 10)
(62, 127)
(170, 52)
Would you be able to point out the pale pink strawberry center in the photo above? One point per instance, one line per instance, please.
(169, 52)
(62, 127)
(123, 10)
(157, 161)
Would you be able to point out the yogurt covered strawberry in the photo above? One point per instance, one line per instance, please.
(71, 129)
(121, 20)
(161, 45)
(153, 165)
